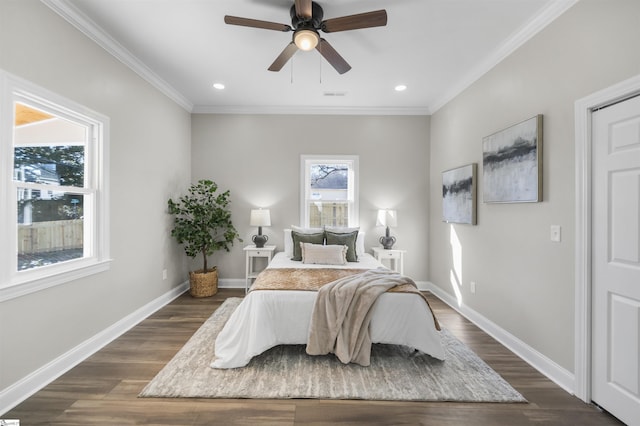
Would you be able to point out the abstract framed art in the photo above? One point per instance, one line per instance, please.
(459, 194)
(512, 164)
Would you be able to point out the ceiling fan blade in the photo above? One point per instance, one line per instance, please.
(377, 18)
(284, 57)
(303, 9)
(332, 56)
(255, 23)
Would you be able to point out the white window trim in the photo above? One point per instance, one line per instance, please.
(13, 283)
(306, 161)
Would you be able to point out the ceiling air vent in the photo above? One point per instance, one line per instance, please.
(335, 93)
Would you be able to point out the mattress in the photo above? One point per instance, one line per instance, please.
(267, 318)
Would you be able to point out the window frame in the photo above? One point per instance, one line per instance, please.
(14, 283)
(306, 161)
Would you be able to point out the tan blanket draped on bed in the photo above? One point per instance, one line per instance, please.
(309, 279)
(312, 279)
(342, 313)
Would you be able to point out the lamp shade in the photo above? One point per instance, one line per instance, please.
(260, 217)
(387, 218)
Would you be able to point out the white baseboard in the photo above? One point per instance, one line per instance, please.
(231, 283)
(27, 386)
(24, 388)
(562, 377)
(424, 285)
(559, 375)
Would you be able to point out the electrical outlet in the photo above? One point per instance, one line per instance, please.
(472, 287)
(164, 274)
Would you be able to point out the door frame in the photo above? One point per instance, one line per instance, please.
(583, 160)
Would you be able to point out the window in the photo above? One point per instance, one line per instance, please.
(54, 183)
(329, 191)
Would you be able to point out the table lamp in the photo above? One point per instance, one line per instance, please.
(388, 218)
(260, 218)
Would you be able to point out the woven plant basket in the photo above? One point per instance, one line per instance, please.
(204, 284)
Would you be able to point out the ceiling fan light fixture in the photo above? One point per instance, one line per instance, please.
(306, 39)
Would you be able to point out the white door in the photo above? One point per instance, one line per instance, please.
(616, 260)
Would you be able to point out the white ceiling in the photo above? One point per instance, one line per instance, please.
(435, 47)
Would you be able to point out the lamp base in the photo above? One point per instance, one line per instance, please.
(259, 240)
(387, 242)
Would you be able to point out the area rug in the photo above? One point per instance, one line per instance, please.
(396, 373)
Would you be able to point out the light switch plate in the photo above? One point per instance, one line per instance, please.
(556, 233)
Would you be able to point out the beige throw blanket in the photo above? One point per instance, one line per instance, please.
(342, 313)
(299, 278)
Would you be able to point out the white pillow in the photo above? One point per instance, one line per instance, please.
(288, 243)
(341, 229)
(325, 255)
(360, 244)
(288, 240)
(306, 230)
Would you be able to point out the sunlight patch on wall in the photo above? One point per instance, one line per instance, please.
(455, 275)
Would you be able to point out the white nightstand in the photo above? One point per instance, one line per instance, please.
(396, 258)
(251, 252)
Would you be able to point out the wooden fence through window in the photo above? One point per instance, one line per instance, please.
(42, 237)
(328, 213)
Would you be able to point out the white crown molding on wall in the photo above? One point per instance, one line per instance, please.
(70, 13)
(307, 110)
(89, 28)
(548, 14)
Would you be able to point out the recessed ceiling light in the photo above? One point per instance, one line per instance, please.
(400, 88)
(218, 86)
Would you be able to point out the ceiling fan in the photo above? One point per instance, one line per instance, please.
(306, 22)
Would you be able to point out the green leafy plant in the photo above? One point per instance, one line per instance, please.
(203, 220)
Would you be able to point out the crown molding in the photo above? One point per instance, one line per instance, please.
(89, 28)
(551, 11)
(309, 110)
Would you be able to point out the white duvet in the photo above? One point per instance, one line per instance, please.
(268, 318)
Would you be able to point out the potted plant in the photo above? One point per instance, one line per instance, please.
(203, 224)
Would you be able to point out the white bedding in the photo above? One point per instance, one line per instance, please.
(268, 318)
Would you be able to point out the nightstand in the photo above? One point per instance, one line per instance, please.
(251, 253)
(396, 258)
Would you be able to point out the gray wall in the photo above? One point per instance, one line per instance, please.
(257, 157)
(150, 161)
(525, 282)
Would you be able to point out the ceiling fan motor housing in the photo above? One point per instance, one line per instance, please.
(315, 22)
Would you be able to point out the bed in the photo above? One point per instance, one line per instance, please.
(267, 318)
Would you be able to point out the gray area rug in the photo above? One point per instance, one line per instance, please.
(396, 373)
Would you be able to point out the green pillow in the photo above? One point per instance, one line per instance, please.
(299, 237)
(346, 239)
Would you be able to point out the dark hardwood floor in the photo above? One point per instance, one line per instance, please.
(103, 389)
